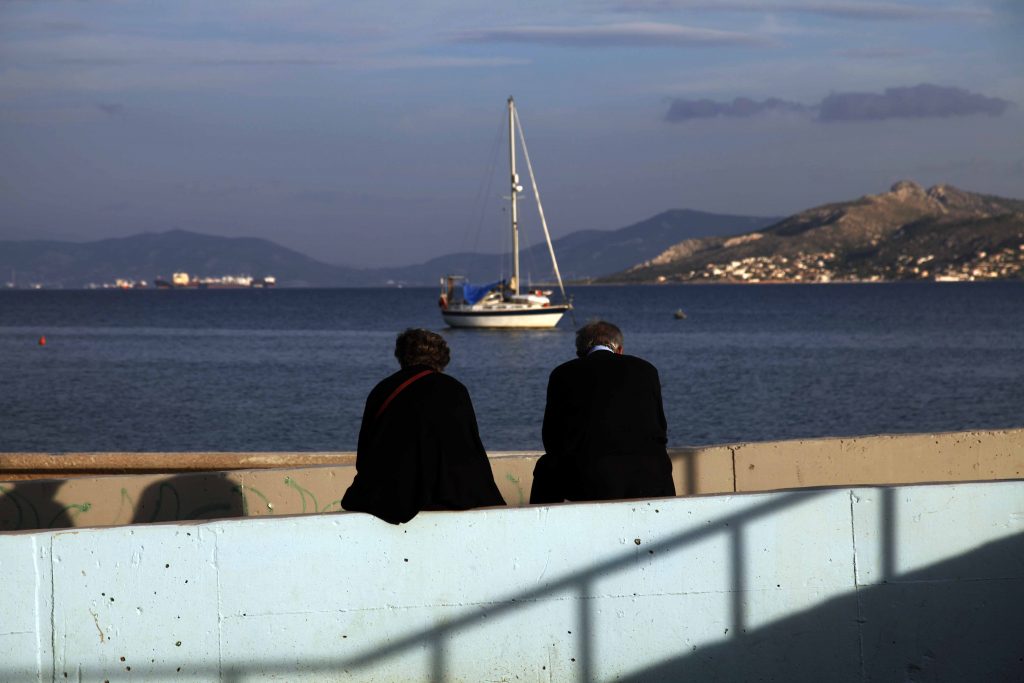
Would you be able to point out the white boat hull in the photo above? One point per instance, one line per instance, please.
(504, 317)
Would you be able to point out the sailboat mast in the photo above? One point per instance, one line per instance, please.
(516, 188)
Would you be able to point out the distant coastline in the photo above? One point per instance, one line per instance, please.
(907, 233)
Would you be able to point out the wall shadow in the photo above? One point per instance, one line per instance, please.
(33, 504)
(203, 495)
(689, 458)
(919, 626)
(924, 625)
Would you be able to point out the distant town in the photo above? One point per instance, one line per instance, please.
(815, 267)
(823, 267)
(177, 281)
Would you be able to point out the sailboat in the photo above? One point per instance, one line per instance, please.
(501, 303)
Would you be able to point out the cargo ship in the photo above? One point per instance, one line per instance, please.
(185, 281)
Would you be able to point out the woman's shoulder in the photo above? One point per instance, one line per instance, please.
(446, 382)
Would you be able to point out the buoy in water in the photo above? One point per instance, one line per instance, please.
(679, 315)
(42, 340)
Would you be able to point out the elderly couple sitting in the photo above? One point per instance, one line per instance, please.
(419, 447)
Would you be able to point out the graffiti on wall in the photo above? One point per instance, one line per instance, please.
(51, 504)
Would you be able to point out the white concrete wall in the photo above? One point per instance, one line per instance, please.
(904, 583)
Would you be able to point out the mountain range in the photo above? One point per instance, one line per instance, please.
(906, 233)
(582, 255)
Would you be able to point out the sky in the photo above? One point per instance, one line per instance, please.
(370, 133)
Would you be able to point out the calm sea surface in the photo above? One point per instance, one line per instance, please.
(289, 369)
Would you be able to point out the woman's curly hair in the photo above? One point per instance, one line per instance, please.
(422, 347)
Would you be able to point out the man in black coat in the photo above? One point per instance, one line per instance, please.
(419, 447)
(604, 426)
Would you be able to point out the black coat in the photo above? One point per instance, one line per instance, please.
(423, 452)
(604, 432)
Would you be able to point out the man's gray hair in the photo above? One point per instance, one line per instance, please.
(598, 333)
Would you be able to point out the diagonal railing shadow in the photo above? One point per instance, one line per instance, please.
(955, 620)
(436, 640)
(437, 637)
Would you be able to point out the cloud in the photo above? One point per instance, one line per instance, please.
(114, 62)
(256, 61)
(864, 11)
(63, 26)
(398, 62)
(412, 62)
(883, 52)
(611, 35)
(915, 102)
(110, 109)
(741, 107)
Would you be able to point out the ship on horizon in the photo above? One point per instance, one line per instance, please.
(185, 281)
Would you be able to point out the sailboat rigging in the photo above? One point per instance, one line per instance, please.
(501, 303)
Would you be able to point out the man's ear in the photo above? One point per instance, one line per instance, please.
(619, 350)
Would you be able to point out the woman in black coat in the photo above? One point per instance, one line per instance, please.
(419, 446)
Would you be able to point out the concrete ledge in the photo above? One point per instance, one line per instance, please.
(19, 466)
(175, 486)
(890, 459)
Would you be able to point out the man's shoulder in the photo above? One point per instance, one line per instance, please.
(621, 359)
(567, 368)
(568, 365)
(643, 368)
(638, 362)
(599, 361)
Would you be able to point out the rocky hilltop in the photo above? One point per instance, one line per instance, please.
(906, 233)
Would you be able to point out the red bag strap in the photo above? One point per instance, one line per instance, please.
(400, 389)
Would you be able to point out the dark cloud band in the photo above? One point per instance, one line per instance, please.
(919, 101)
(110, 109)
(741, 107)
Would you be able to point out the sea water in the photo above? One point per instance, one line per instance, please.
(289, 369)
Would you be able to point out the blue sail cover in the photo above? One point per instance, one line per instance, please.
(473, 293)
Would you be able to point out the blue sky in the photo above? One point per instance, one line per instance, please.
(362, 133)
